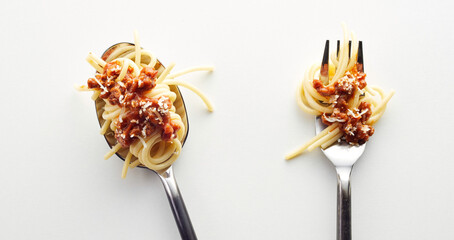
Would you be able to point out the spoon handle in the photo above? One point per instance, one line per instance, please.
(344, 227)
(177, 204)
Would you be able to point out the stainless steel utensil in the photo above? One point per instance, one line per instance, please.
(167, 177)
(343, 156)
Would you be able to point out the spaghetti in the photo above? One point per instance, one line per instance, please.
(139, 105)
(343, 100)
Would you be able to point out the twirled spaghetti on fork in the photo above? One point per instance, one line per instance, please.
(340, 95)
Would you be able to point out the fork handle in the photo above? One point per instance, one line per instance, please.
(177, 204)
(344, 227)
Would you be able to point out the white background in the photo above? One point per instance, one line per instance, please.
(232, 173)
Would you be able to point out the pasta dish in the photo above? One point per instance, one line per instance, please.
(344, 101)
(140, 106)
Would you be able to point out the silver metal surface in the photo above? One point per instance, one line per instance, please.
(343, 156)
(167, 177)
(324, 69)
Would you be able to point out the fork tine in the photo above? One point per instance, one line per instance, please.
(360, 60)
(349, 48)
(324, 69)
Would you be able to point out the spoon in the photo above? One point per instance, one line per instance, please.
(167, 177)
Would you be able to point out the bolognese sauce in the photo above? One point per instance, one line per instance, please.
(352, 121)
(140, 115)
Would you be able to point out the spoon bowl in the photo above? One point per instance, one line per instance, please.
(179, 104)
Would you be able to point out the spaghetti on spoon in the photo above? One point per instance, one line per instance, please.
(143, 116)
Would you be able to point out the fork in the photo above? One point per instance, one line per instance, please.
(342, 155)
